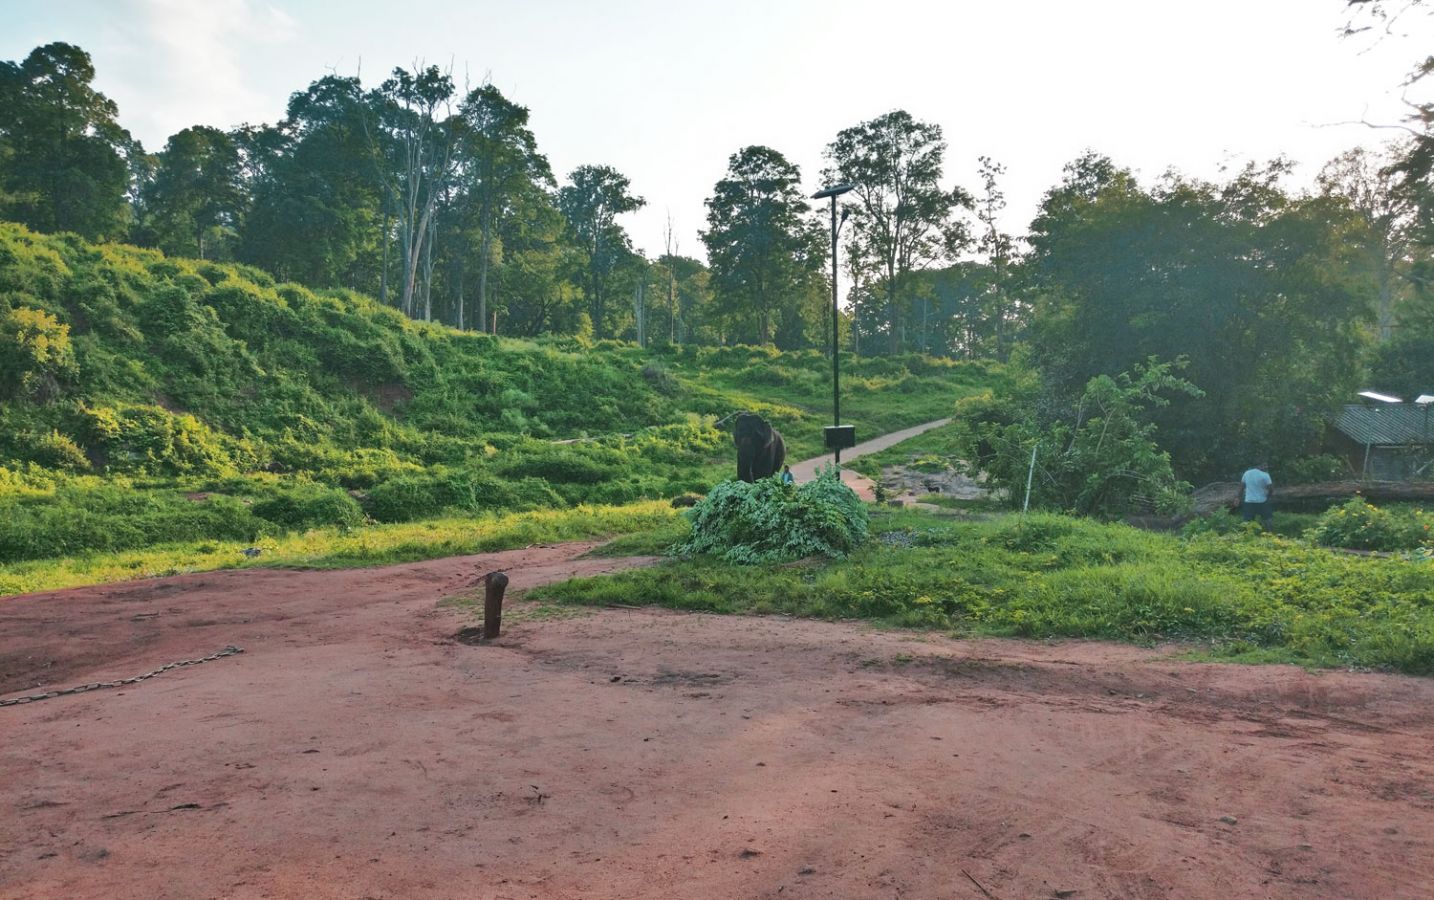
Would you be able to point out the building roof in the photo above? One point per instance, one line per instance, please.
(1386, 425)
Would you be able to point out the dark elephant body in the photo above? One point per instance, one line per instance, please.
(760, 448)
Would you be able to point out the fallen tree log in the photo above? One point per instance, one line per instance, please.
(1226, 495)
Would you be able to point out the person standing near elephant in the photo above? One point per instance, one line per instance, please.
(760, 448)
(787, 476)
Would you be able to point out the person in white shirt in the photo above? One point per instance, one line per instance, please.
(1259, 495)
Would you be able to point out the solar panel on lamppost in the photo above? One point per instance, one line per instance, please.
(837, 437)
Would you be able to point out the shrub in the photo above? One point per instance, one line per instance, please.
(1314, 469)
(1360, 525)
(566, 466)
(306, 506)
(35, 353)
(79, 519)
(153, 441)
(1221, 521)
(661, 380)
(56, 451)
(1033, 534)
(769, 521)
(410, 497)
(1096, 457)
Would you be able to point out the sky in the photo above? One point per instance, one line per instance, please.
(666, 91)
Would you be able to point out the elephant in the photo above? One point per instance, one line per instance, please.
(760, 448)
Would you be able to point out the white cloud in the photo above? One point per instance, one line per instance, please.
(188, 63)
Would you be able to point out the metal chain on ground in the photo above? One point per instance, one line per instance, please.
(231, 650)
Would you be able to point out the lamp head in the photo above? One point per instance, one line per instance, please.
(835, 190)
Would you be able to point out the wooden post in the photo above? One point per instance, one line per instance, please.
(1030, 474)
(497, 583)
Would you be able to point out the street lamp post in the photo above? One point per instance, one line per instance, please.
(837, 437)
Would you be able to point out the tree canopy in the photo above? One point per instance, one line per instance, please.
(62, 151)
(765, 251)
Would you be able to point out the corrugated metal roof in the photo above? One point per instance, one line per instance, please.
(1382, 425)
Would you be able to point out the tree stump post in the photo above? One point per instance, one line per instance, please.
(497, 583)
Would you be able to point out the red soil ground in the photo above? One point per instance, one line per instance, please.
(356, 750)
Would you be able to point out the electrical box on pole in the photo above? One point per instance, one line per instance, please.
(840, 437)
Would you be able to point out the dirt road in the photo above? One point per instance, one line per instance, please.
(355, 750)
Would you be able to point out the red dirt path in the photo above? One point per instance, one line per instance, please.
(354, 750)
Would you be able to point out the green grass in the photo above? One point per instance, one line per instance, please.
(332, 548)
(965, 504)
(650, 542)
(1263, 598)
(937, 446)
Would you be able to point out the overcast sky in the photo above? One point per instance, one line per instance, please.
(666, 90)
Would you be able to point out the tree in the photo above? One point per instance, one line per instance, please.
(669, 274)
(591, 201)
(1370, 186)
(764, 251)
(537, 286)
(317, 214)
(413, 150)
(904, 220)
(62, 154)
(1258, 289)
(690, 284)
(1097, 455)
(999, 248)
(498, 159)
(196, 197)
(958, 301)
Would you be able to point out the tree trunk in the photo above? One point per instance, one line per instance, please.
(428, 271)
(485, 248)
(894, 343)
(596, 310)
(383, 279)
(458, 298)
(639, 311)
(1385, 312)
(671, 305)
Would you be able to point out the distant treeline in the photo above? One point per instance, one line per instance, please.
(436, 199)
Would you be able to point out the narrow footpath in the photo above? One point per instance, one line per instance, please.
(806, 470)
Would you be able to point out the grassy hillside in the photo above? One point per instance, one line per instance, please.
(146, 400)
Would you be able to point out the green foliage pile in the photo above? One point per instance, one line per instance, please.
(1255, 597)
(768, 521)
(1360, 525)
(127, 371)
